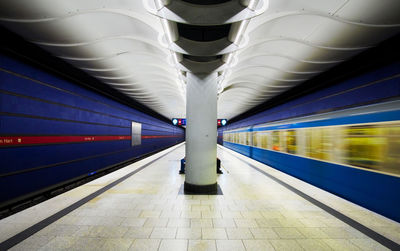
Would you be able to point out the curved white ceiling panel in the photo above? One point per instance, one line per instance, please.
(295, 40)
(117, 42)
(122, 44)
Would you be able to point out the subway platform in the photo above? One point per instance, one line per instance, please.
(141, 207)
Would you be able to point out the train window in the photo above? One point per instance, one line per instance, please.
(364, 146)
(248, 138)
(291, 144)
(326, 143)
(276, 141)
(264, 140)
(313, 143)
(392, 161)
(255, 135)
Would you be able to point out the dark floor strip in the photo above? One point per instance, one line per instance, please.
(9, 243)
(360, 227)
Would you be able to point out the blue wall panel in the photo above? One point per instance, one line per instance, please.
(36, 103)
(383, 83)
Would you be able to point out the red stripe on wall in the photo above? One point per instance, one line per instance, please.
(32, 140)
(158, 136)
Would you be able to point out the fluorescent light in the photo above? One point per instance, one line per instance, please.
(167, 30)
(175, 57)
(241, 29)
(229, 58)
(252, 4)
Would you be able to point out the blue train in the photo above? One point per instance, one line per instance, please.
(354, 153)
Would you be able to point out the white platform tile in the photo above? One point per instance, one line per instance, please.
(257, 245)
(145, 244)
(176, 245)
(202, 245)
(230, 245)
(145, 212)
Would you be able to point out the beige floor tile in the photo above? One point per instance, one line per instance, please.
(312, 223)
(258, 245)
(144, 206)
(219, 223)
(288, 233)
(202, 245)
(291, 245)
(264, 233)
(214, 234)
(239, 234)
(246, 223)
(368, 244)
(102, 221)
(83, 231)
(116, 244)
(163, 233)
(133, 222)
(230, 245)
(175, 245)
(191, 214)
(231, 214)
(290, 222)
(355, 233)
(150, 214)
(108, 231)
(145, 244)
(211, 215)
(201, 197)
(178, 222)
(333, 222)
(337, 233)
(86, 243)
(170, 214)
(210, 201)
(313, 232)
(269, 222)
(138, 232)
(58, 230)
(131, 213)
(201, 208)
(189, 233)
(313, 244)
(251, 215)
(156, 222)
(340, 244)
(207, 223)
(271, 214)
(59, 242)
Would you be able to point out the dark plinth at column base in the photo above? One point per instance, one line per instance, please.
(212, 189)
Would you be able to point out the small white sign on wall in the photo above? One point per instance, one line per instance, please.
(136, 133)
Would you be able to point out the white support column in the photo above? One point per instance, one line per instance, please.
(201, 133)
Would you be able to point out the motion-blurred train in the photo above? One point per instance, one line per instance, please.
(365, 137)
(354, 153)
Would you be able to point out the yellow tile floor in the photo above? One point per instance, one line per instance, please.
(145, 212)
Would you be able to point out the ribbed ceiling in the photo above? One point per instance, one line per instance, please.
(282, 44)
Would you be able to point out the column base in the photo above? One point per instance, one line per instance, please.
(200, 189)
